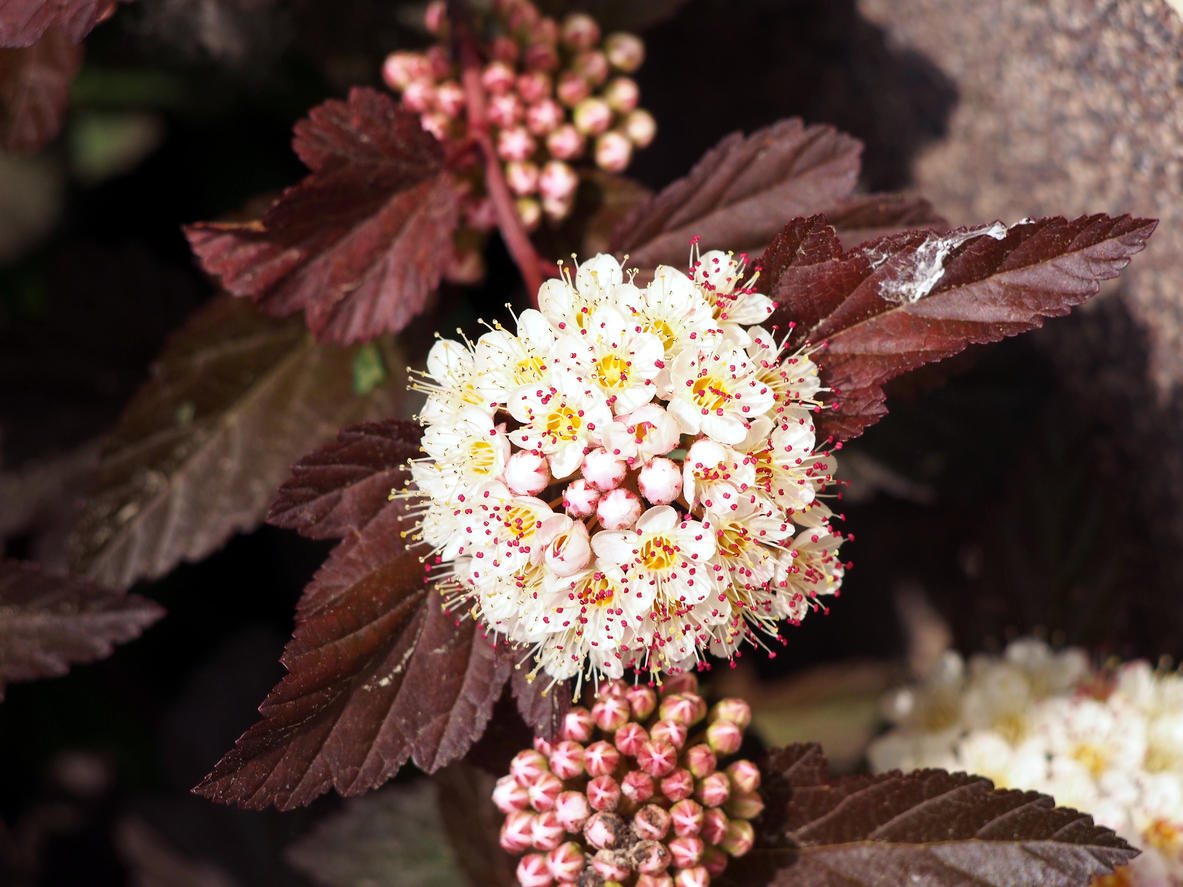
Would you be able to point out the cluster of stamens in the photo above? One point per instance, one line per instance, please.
(631, 478)
(632, 792)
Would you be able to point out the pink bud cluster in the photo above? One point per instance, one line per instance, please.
(556, 92)
(632, 792)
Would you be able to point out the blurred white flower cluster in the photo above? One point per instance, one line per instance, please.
(630, 478)
(1108, 742)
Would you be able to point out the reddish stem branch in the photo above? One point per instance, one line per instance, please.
(529, 263)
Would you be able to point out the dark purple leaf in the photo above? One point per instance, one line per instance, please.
(359, 244)
(379, 673)
(870, 216)
(48, 623)
(340, 487)
(233, 401)
(22, 22)
(472, 825)
(928, 827)
(890, 305)
(541, 704)
(34, 89)
(741, 192)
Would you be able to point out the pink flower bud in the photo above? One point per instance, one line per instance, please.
(622, 94)
(419, 96)
(744, 776)
(580, 31)
(657, 757)
(533, 86)
(572, 810)
(526, 766)
(439, 63)
(610, 713)
(713, 789)
(436, 124)
(449, 98)
(737, 711)
(695, 876)
(630, 738)
(529, 211)
(614, 151)
(679, 785)
(686, 850)
(642, 701)
(572, 89)
(510, 795)
(522, 178)
(714, 825)
(700, 760)
(526, 473)
(714, 860)
(517, 832)
(673, 732)
(640, 127)
(435, 16)
(651, 857)
(739, 838)
(540, 57)
(625, 52)
(601, 758)
(566, 862)
(618, 509)
(661, 880)
(577, 724)
(504, 49)
(557, 209)
(604, 830)
(542, 746)
(544, 116)
(544, 790)
(683, 682)
(558, 181)
(686, 816)
(592, 116)
(579, 498)
(637, 787)
(505, 110)
(564, 546)
(680, 707)
(603, 470)
(565, 143)
(613, 867)
(566, 761)
(660, 481)
(497, 78)
(515, 143)
(532, 871)
(592, 66)
(724, 737)
(547, 831)
(400, 68)
(651, 822)
(745, 805)
(603, 793)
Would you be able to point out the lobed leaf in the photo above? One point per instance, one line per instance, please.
(864, 217)
(23, 22)
(198, 453)
(472, 825)
(379, 673)
(340, 487)
(741, 191)
(541, 704)
(890, 305)
(34, 90)
(48, 623)
(360, 244)
(928, 827)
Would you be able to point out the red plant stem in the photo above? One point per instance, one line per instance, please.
(517, 241)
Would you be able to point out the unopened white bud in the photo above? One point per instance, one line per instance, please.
(557, 181)
(603, 470)
(619, 509)
(625, 52)
(572, 89)
(497, 78)
(515, 143)
(640, 127)
(526, 473)
(529, 211)
(592, 116)
(580, 31)
(534, 86)
(622, 94)
(592, 67)
(505, 110)
(522, 177)
(557, 208)
(660, 481)
(565, 143)
(419, 96)
(449, 98)
(436, 124)
(613, 152)
(580, 498)
(544, 116)
(400, 68)
(566, 546)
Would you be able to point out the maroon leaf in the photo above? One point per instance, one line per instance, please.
(359, 244)
(927, 827)
(340, 487)
(739, 194)
(48, 623)
(893, 304)
(233, 401)
(34, 89)
(541, 704)
(472, 825)
(22, 22)
(379, 673)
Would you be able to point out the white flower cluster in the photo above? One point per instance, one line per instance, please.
(629, 479)
(1109, 743)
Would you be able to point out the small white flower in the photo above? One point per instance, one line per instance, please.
(642, 434)
(715, 390)
(560, 418)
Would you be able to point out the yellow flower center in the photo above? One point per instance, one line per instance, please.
(598, 592)
(482, 457)
(531, 369)
(710, 393)
(564, 423)
(612, 371)
(658, 554)
(663, 331)
(732, 541)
